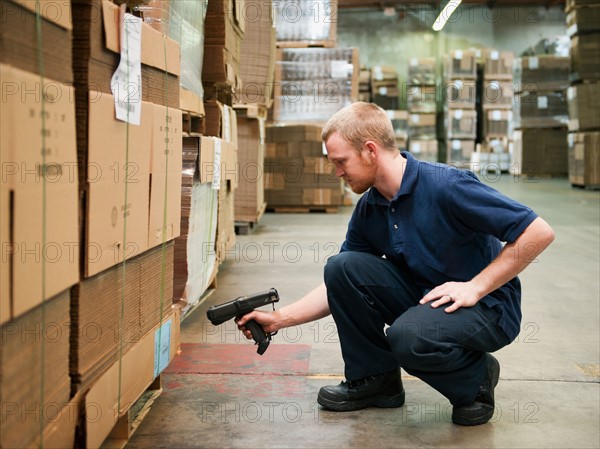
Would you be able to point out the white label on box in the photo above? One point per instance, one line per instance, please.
(458, 84)
(383, 90)
(496, 115)
(495, 85)
(542, 102)
(216, 182)
(414, 118)
(494, 55)
(341, 69)
(456, 145)
(377, 73)
(415, 147)
(458, 114)
(571, 93)
(391, 114)
(570, 139)
(226, 123)
(414, 62)
(533, 63)
(458, 54)
(126, 82)
(162, 347)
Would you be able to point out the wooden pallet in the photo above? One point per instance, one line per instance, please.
(303, 209)
(244, 224)
(586, 186)
(251, 110)
(306, 44)
(192, 123)
(131, 420)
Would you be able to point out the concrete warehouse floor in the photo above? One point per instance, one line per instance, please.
(220, 394)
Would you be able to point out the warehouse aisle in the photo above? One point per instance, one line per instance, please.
(218, 393)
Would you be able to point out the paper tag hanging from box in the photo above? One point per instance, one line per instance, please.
(126, 82)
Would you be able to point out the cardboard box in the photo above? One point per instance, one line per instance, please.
(497, 123)
(460, 64)
(498, 65)
(461, 124)
(421, 71)
(540, 110)
(218, 162)
(191, 102)
(221, 121)
(123, 384)
(96, 55)
(19, 38)
(461, 94)
(459, 151)
(40, 240)
(584, 159)
(117, 185)
(422, 126)
(114, 309)
(583, 20)
(540, 152)
(541, 73)
(165, 176)
(583, 102)
(35, 365)
(421, 99)
(424, 150)
(249, 197)
(399, 121)
(585, 54)
(497, 94)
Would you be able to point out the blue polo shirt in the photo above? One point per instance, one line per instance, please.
(443, 225)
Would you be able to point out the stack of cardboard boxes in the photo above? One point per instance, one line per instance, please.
(364, 84)
(495, 113)
(422, 100)
(313, 80)
(540, 115)
(385, 91)
(460, 75)
(256, 98)
(89, 210)
(583, 96)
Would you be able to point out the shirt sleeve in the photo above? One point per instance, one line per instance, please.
(484, 209)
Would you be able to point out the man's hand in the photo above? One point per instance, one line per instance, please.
(268, 320)
(460, 294)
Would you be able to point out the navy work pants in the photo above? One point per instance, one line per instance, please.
(445, 350)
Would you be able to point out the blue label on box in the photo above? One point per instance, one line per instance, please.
(162, 347)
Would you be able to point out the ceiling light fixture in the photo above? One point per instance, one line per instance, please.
(445, 14)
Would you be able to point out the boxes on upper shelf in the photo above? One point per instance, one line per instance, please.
(497, 94)
(498, 65)
(422, 126)
(421, 71)
(460, 64)
(461, 94)
(309, 22)
(461, 124)
(585, 57)
(540, 110)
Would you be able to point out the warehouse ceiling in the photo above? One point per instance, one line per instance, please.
(382, 4)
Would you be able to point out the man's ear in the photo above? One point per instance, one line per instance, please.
(371, 148)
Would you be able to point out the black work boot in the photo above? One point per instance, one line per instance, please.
(482, 409)
(383, 390)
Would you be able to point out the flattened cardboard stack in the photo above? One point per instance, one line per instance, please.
(223, 34)
(298, 175)
(195, 249)
(34, 373)
(540, 114)
(258, 73)
(583, 97)
(38, 222)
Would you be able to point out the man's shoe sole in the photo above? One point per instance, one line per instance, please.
(394, 401)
